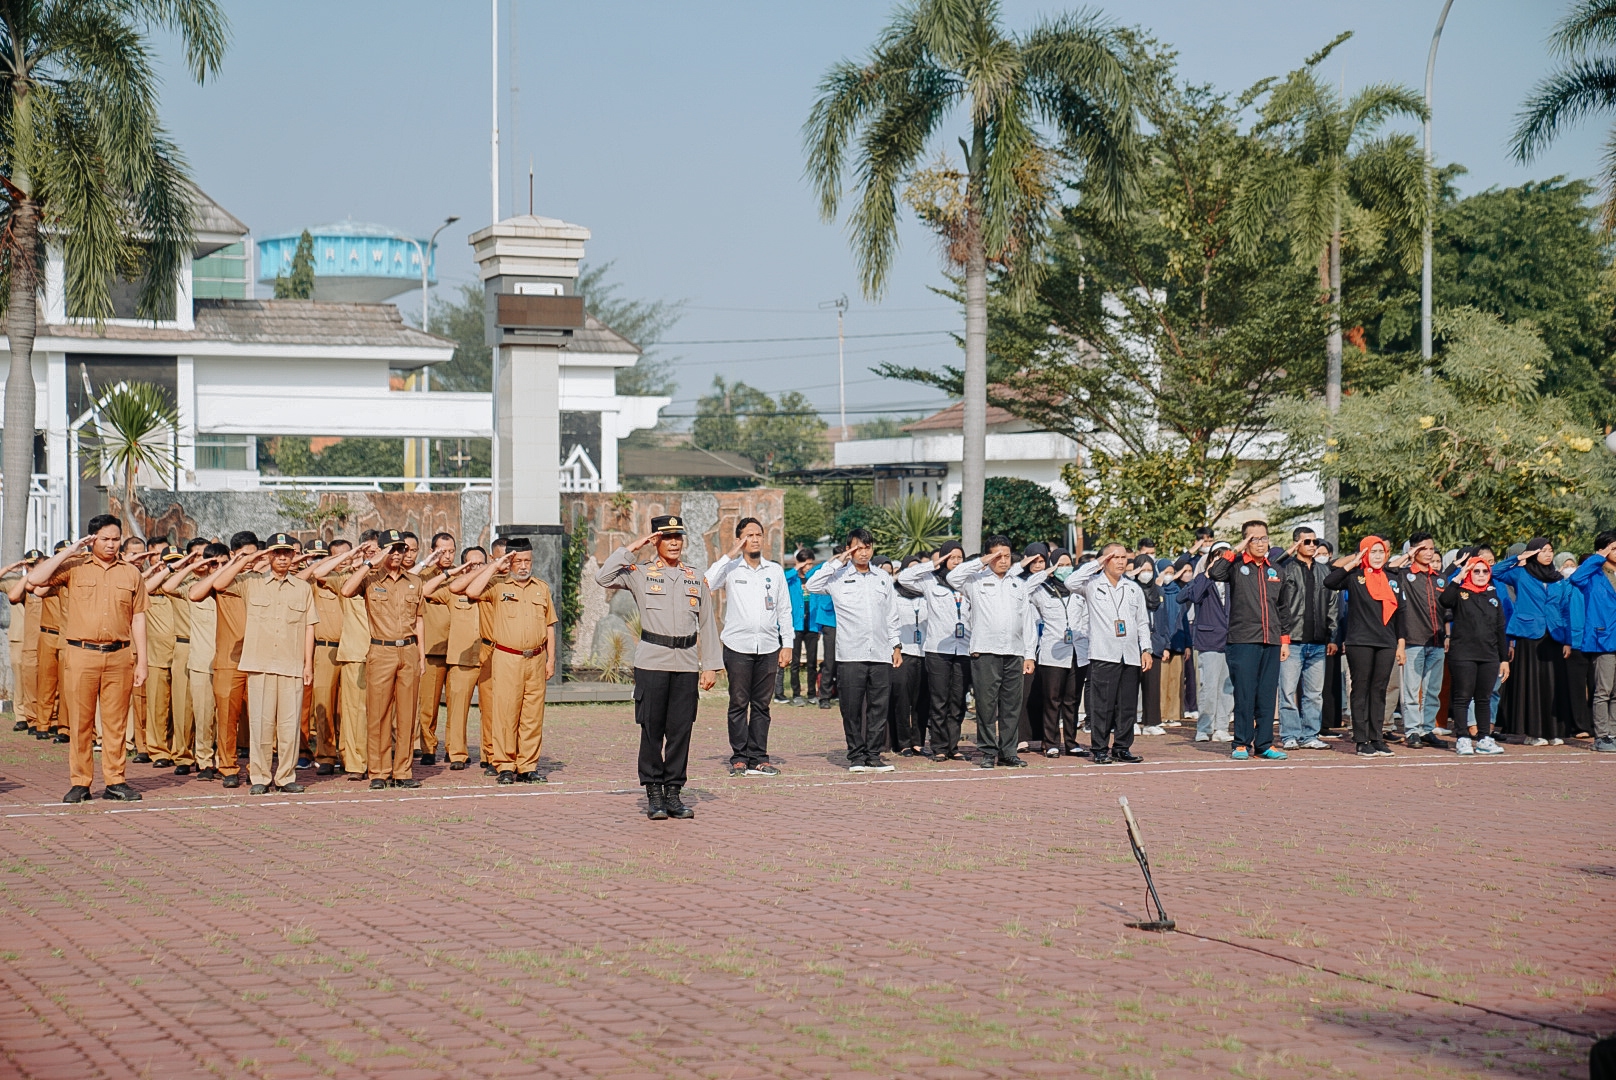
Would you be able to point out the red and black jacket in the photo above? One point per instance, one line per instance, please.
(1254, 586)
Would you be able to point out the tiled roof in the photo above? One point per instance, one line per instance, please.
(213, 218)
(275, 322)
(953, 419)
(597, 337)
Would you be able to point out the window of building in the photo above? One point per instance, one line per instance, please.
(222, 275)
(236, 452)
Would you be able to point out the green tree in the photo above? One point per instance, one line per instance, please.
(1019, 509)
(805, 519)
(289, 455)
(133, 429)
(644, 322)
(1133, 496)
(1586, 83)
(911, 526)
(1070, 74)
(1475, 452)
(778, 436)
(299, 284)
(84, 157)
(463, 318)
(1331, 181)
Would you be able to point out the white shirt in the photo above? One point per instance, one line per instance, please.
(1109, 605)
(998, 606)
(867, 616)
(947, 627)
(1049, 617)
(912, 625)
(757, 605)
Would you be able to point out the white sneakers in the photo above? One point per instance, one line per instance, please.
(1488, 746)
(1222, 736)
(1152, 729)
(1201, 736)
(1464, 746)
(1537, 742)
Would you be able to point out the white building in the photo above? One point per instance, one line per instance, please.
(239, 368)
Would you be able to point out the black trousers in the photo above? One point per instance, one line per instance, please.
(1254, 670)
(665, 709)
(1113, 705)
(865, 694)
(1150, 687)
(751, 683)
(1080, 684)
(945, 683)
(804, 662)
(1032, 706)
(908, 727)
(996, 681)
(1472, 683)
(1371, 668)
(827, 667)
(1059, 685)
(1332, 693)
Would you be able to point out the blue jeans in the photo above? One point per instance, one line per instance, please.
(1214, 693)
(1301, 693)
(1422, 687)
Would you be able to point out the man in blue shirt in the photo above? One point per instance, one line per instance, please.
(822, 621)
(1595, 579)
(805, 649)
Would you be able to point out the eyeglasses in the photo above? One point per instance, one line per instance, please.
(1307, 541)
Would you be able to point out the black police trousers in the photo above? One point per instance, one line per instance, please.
(665, 709)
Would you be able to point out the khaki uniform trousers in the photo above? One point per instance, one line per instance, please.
(169, 728)
(461, 682)
(274, 705)
(393, 675)
(28, 695)
(229, 710)
(92, 679)
(202, 711)
(134, 728)
(305, 723)
(22, 682)
(323, 704)
(518, 710)
(48, 682)
(431, 692)
(1172, 686)
(353, 733)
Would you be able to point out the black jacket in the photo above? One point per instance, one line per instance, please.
(1301, 594)
(1363, 611)
(1420, 609)
(1478, 624)
(1254, 589)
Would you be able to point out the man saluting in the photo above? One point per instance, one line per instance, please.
(677, 640)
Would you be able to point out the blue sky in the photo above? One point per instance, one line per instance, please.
(672, 131)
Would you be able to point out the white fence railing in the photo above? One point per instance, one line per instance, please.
(371, 483)
(47, 513)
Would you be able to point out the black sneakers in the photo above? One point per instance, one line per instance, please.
(121, 793)
(76, 794)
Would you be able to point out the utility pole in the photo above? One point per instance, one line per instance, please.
(493, 168)
(1430, 195)
(840, 304)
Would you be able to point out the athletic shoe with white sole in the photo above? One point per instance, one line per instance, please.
(1152, 729)
(1314, 743)
(1464, 746)
(1201, 736)
(1489, 745)
(1291, 744)
(1222, 736)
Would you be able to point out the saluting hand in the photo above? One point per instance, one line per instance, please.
(649, 538)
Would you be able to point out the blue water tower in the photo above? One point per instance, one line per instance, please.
(353, 261)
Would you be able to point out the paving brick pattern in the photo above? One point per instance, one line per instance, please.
(941, 922)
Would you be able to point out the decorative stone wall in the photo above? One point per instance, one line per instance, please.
(180, 515)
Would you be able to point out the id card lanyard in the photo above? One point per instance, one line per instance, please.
(959, 619)
(1118, 621)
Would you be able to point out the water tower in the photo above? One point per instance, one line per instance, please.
(353, 261)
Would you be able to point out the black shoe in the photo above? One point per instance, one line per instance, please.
(488, 767)
(825, 703)
(141, 759)
(293, 789)
(231, 781)
(42, 734)
(907, 751)
(258, 789)
(243, 752)
(986, 763)
(378, 785)
(209, 773)
(1366, 750)
(1014, 763)
(1078, 751)
(671, 803)
(524, 778)
(1102, 757)
(20, 725)
(1430, 739)
(325, 768)
(507, 778)
(121, 793)
(429, 759)
(76, 793)
(1382, 750)
(456, 766)
(1127, 757)
(410, 783)
(62, 737)
(654, 808)
(163, 763)
(182, 770)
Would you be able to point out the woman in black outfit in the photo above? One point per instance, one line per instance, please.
(1371, 640)
(1478, 652)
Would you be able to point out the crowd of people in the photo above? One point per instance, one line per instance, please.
(338, 657)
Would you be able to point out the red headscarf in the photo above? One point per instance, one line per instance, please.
(1469, 583)
(1375, 580)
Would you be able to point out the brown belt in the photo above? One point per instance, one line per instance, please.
(400, 643)
(99, 646)
(525, 654)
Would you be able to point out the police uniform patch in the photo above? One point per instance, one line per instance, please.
(695, 602)
(653, 587)
(1246, 570)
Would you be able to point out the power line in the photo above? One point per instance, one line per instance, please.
(685, 362)
(815, 337)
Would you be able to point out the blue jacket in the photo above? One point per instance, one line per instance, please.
(1535, 611)
(1211, 614)
(821, 612)
(1597, 634)
(799, 606)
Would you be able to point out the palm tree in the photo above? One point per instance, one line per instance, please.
(911, 526)
(1330, 179)
(131, 431)
(84, 161)
(1071, 74)
(1586, 84)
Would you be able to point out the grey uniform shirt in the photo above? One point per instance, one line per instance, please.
(674, 602)
(868, 621)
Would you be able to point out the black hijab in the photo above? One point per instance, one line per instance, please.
(1546, 574)
(944, 550)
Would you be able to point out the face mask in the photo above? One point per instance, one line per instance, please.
(1146, 576)
(1062, 573)
(1321, 559)
(1567, 570)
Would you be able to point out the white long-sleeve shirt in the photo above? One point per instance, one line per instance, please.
(867, 616)
(757, 605)
(947, 627)
(912, 625)
(1110, 605)
(1057, 628)
(998, 606)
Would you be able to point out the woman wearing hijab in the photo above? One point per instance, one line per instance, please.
(1373, 631)
(1035, 558)
(1528, 704)
(1573, 679)
(1144, 572)
(1057, 639)
(1478, 653)
(908, 728)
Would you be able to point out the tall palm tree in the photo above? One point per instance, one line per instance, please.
(1070, 74)
(1329, 179)
(85, 163)
(132, 430)
(1587, 83)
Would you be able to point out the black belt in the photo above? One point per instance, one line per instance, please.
(525, 654)
(182, 641)
(99, 646)
(400, 643)
(669, 642)
(326, 644)
(48, 630)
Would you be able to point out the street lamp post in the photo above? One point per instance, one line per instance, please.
(1430, 195)
(422, 449)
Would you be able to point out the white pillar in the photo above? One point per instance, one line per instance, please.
(530, 435)
(608, 452)
(185, 406)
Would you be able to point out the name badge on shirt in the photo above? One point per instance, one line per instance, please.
(920, 635)
(959, 630)
(1068, 638)
(1122, 627)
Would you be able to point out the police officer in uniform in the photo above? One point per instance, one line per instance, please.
(677, 641)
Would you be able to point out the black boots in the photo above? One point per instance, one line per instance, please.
(653, 803)
(671, 804)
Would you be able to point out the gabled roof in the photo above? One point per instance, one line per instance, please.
(953, 419)
(213, 218)
(597, 337)
(273, 322)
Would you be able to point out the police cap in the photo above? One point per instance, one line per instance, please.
(668, 525)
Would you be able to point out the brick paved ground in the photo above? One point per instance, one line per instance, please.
(941, 922)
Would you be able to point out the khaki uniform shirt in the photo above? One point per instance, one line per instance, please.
(231, 625)
(204, 633)
(520, 613)
(279, 614)
(181, 610)
(354, 641)
(102, 600)
(14, 632)
(52, 609)
(392, 603)
(32, 606)
(673, 602)
(465, 628)
(160, 630)
(329, 606)
(435, 622)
